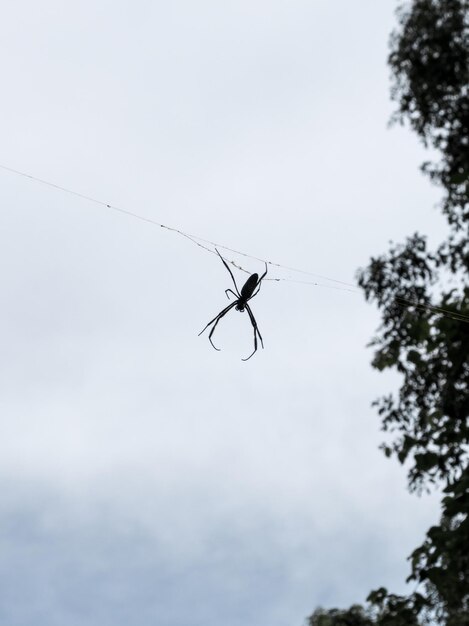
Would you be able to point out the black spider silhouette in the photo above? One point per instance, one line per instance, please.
(249, 290)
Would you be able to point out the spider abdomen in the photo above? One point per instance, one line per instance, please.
(249, 286)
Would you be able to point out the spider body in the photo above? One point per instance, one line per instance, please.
(248, 291)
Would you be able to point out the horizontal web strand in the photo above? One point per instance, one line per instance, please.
(201, 243)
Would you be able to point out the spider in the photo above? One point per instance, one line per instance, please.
(249, 290)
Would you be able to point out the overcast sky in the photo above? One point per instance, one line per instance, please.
(146, 478)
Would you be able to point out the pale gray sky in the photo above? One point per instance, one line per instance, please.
(147, 479)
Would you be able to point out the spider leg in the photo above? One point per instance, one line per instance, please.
(264, 274)
(231, 274)
(213, 330)
(258, 288)
(225, 310)
(256, 332)
(230, 291)
(216, 320)
(254, 323)
(259, 283)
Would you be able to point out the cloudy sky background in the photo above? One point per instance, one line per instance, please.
(145, 478)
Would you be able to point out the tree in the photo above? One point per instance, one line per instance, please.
(354, 616)
(423, 296)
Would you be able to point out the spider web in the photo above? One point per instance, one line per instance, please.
(210, 246)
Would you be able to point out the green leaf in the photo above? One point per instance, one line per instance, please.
(459, 178)
(414, 357)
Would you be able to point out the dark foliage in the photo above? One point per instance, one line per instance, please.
(430, 65)
(442, 562)
(354, 616)
(423, 296)
(431, 351)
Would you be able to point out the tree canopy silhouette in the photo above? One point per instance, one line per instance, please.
(428, 419)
